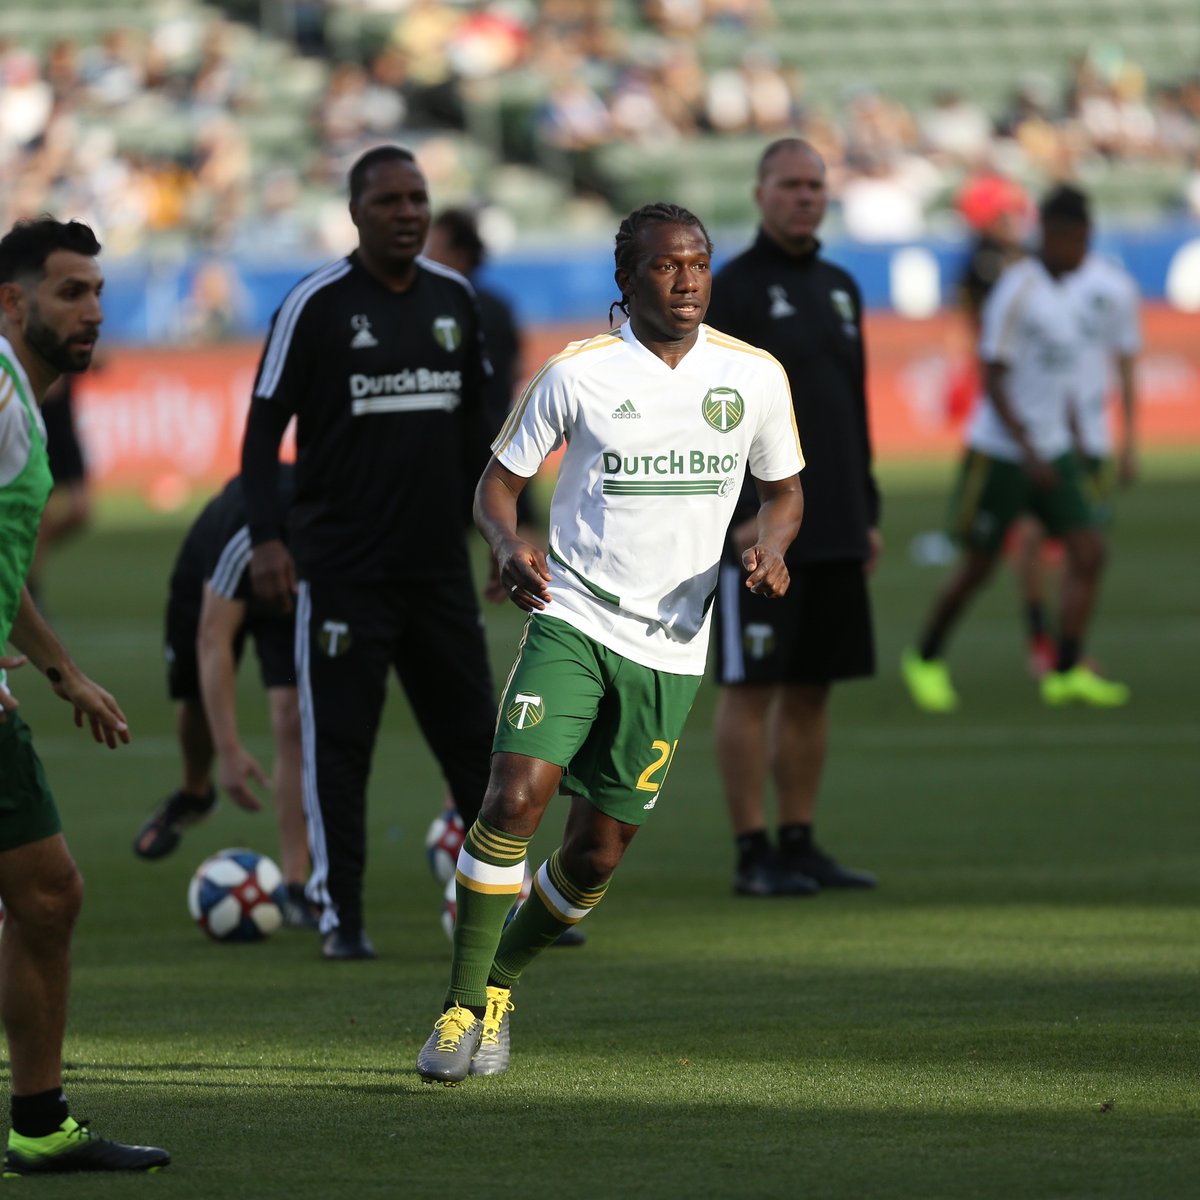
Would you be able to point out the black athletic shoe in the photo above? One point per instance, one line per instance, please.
(572, 936)
(338, 944)
(164, 827)
(827, 872)
(73, 1147)
(298, 913)
(770, 877)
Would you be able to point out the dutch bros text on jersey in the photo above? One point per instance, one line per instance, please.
(1030, 326)
(653, 465)
(1106, 301)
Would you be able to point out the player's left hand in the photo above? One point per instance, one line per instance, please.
(103, 713)
(9, 702)
(235, 771)
(768, 573)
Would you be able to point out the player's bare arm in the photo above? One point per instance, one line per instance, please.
(220, 621)
(37, 641)
(1127, 462)
(521, 565)
(996, 382)
(780, 512)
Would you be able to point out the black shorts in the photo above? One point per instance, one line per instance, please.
(274, 644)
(819, 632)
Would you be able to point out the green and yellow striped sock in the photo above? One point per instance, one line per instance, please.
(491, 868)
(555, 904)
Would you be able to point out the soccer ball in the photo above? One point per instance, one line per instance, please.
(237, 896)
(443, 842)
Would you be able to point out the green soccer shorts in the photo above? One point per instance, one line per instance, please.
(611, 724)
(992, 493)
(27, 809)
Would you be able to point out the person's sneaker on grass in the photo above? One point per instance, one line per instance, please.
(165, 825)
(298, 913)
(928, 682)
(770, 876)
(495, 1041)
(1081, 685)
(446, 1056)
(814, 863)
(74, 1147)
(345, 946)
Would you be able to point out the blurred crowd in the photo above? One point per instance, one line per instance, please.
(87, 128)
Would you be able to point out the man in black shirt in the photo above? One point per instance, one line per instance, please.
(380, 359)
(776, 661)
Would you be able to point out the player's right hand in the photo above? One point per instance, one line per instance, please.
(235, 771)
(524, 574)
(768, 574)
(273, 574)
(9, 702)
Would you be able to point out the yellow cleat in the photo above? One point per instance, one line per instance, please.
(1081, 685)
(928, 682)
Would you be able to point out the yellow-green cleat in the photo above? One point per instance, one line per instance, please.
(495, 1043)
(928, 682)
(74, 1147)
(1081, 685)
(446, 1056)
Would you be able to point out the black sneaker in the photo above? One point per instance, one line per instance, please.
(73, 1147)
(771, 877)
(827, 872)
(164, 827)
(571, 936)
(298, 913)
(338, 944)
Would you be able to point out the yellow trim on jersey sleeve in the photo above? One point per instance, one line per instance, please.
(509, 429)
(726, 342)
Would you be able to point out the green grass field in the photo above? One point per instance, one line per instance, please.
(1011, 1014)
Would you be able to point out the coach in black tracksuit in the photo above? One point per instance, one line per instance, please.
(778, 659)
(379, 356)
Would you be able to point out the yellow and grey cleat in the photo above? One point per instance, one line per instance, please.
(928, 682)
(1081, 685)
(446, 1056)
(495, 1043)
(74, 1147)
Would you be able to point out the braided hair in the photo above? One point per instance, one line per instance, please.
(625, 252)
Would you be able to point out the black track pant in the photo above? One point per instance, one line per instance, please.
(347, 637)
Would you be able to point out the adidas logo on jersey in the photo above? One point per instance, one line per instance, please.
(626, 412)
(363, 337)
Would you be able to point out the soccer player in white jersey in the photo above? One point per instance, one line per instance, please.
(661, 418)
(1020, 458)
(1107, 305)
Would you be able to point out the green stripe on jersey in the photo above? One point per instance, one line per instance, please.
(654, 487)
(598, 592)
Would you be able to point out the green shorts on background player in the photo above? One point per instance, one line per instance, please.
(661, 419)
(50, 317)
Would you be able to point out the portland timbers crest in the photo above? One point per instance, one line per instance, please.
(723, 409)
(447, 333)
(526, 710)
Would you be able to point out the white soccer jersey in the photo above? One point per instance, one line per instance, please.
(1106, 300)
(653, 465)
(1030, 326)
(16, 431)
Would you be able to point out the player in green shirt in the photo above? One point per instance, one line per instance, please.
(50, 317)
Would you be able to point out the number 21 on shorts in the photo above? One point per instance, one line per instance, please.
(664, 752)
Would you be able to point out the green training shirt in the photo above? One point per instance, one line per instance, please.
(25, 482)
